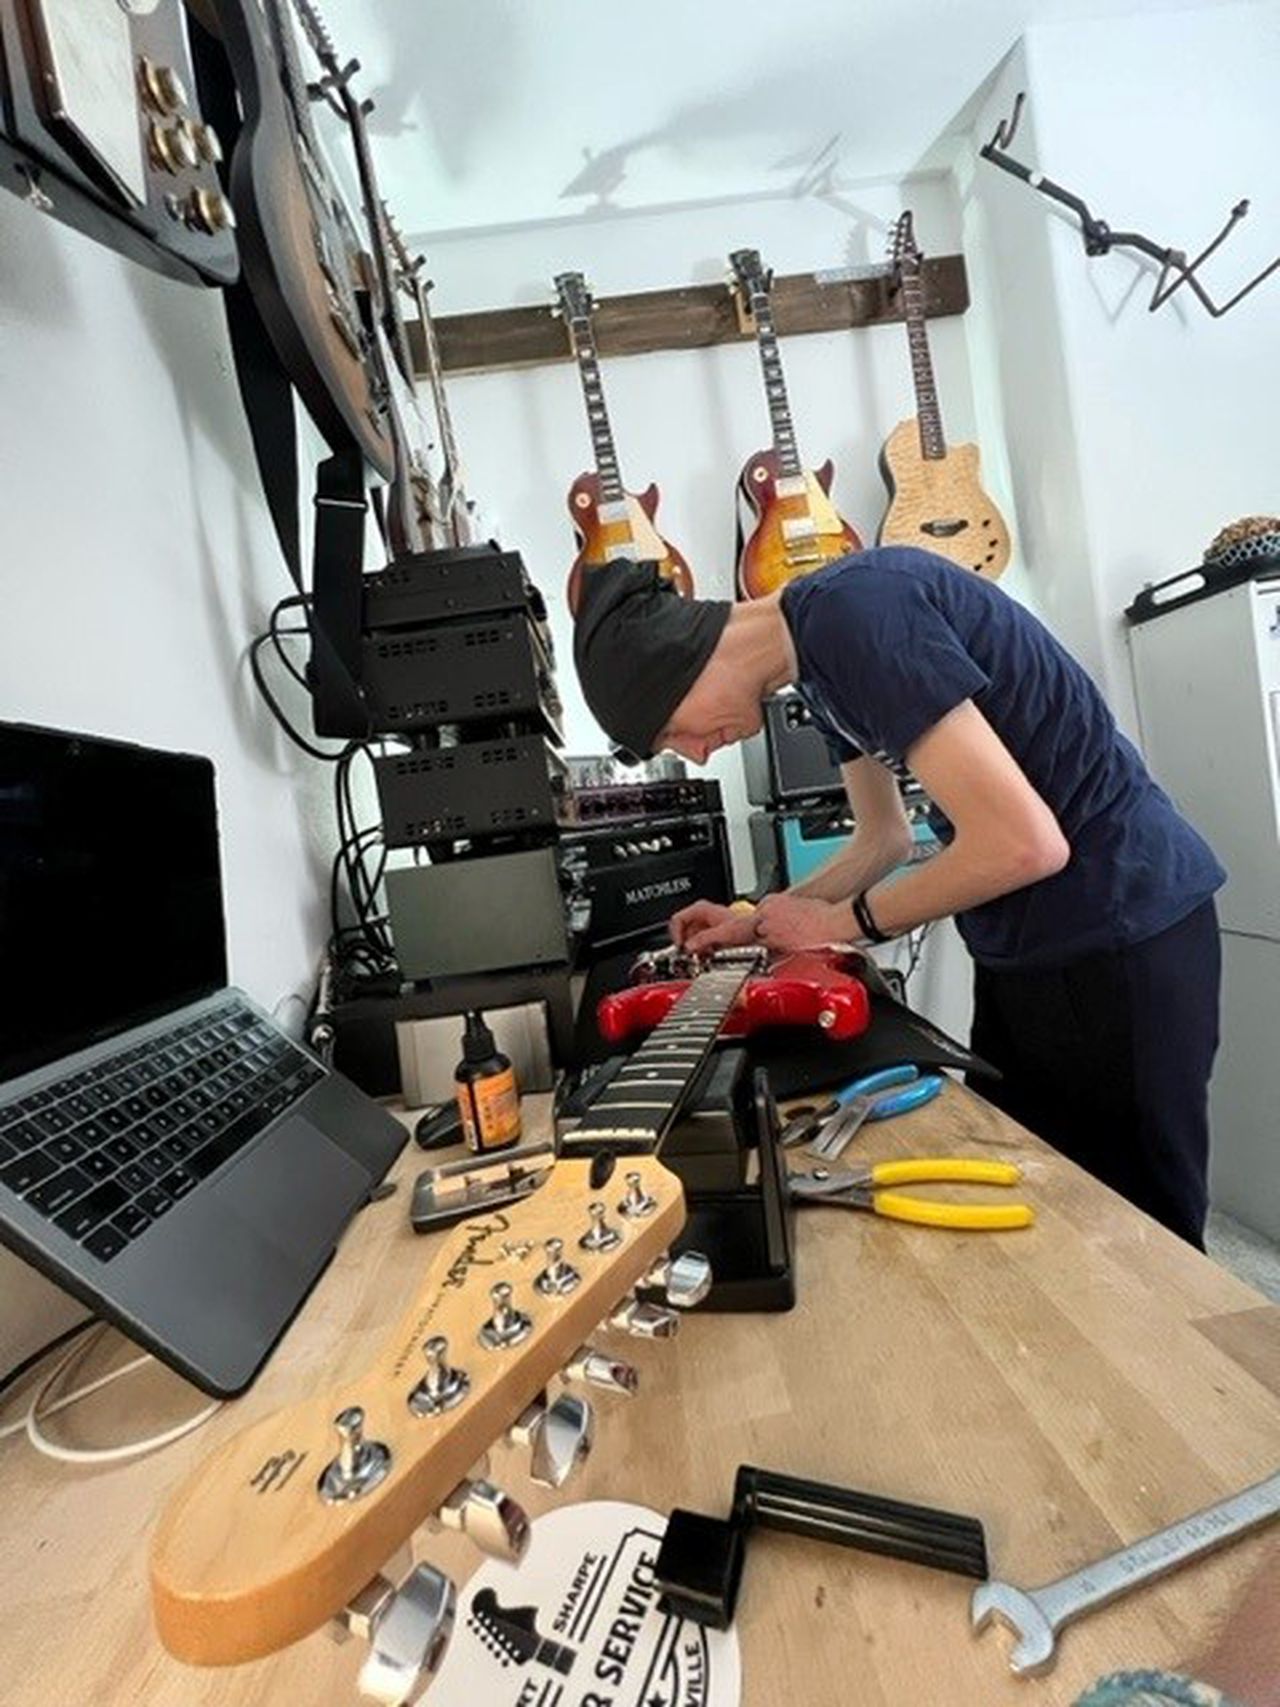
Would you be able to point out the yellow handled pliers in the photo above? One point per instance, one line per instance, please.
(864, 1188)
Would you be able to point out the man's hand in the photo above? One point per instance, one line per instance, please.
(706, 924)
(787, 922)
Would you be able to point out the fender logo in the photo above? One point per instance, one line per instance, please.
(273, 1475)
(469, 1256)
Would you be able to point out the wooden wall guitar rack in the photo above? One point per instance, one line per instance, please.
(691, 317)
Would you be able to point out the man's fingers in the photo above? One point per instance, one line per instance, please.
(697, 916)
(715, 936)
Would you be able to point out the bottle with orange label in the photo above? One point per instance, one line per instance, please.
(488, 1096)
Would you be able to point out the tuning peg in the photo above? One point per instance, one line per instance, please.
(492, 1519)
(598, 1369)
(559, 1435)
(408, 1630)
(507, 1325)
(360, 1465)
(637, 1204)
(441, 1388)
(558, 1277)
(686, 1279)
(600, 1236)
(362, 1611)
(645, 1321)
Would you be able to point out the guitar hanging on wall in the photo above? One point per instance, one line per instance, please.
(459, 522)
(936, 498)
(798, 528)
(610, 522)
(412, 510)
(302, 254)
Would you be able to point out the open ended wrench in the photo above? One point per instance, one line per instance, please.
(1036, 1615)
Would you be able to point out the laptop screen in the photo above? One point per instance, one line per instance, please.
(110, 890)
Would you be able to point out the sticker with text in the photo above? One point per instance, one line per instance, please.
(577, 1624)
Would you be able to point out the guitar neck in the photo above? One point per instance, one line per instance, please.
(435, 376)
(775, 385)
(641, 1101)
(933, 444)
(602, 445)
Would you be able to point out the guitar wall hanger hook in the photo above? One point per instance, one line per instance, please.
(1100, 239)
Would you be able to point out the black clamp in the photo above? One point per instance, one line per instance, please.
(700, 1563)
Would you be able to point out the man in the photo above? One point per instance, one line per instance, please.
(1083, 897)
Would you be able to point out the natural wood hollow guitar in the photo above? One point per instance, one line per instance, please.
(936, 497)
(610, 522)
(798, 528)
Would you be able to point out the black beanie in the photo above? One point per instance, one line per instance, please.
(639, 647)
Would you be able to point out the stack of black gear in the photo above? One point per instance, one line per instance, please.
(457, 680)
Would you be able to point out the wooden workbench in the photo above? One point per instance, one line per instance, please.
(1075, 1386)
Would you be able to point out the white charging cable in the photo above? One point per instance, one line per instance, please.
(37, 1412)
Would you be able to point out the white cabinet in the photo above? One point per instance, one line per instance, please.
(1208, 684)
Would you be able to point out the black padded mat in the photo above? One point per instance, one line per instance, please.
(802, 1061)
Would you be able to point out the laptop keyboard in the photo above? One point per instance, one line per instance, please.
(106, 1152)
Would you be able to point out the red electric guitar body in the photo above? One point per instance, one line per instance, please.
(817, 987)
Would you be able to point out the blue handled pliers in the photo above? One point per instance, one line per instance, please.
(877, 1096)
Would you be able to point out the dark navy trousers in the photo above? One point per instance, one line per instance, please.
(1108, 1059)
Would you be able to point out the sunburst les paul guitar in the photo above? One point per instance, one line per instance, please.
(797, 527)
(936, 497)
(610, 522)
(298, 1520)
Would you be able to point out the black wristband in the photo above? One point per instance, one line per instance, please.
(866, 922)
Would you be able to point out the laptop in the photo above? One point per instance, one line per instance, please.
(167, 1153)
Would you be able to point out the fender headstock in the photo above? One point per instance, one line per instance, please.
(291, 1523)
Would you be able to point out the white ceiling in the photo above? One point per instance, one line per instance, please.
(495, 112)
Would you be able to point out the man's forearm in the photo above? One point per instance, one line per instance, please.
(963, 875)
(864, 860)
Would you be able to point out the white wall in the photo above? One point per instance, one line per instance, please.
(1134, 436)
(136, 560)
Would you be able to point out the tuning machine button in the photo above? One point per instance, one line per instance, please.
(507, 1325)
(637, 1204)
(598, 1369)
(360, 1465)
(442, 1387)
(162, 87)
(173, 146)
(208, 142)
(407, 1629)
(491, 1518)
(686, 1279)
(208, 211)
(645, 1321)
(558, 1277)
(599, 1236)
(559, 1437)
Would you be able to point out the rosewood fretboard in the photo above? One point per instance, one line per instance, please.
(640, 1103)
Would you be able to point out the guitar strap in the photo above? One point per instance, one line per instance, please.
(334, 607)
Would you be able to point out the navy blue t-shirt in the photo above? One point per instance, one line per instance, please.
(889, 641)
